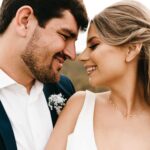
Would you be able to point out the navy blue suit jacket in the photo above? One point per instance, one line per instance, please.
(7, 139)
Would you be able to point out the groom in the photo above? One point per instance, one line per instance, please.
(36, 37)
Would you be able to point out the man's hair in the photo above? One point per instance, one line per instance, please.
(44, 10)
(124, 23)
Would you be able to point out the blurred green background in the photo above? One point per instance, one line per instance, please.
(76, 72)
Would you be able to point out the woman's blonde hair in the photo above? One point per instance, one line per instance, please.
(128, 22)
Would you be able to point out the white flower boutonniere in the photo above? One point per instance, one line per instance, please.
(56, 101)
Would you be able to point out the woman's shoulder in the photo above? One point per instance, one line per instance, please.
(76, 101)
(79, 97)
(73, 106)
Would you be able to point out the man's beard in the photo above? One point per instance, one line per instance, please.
(43, 73)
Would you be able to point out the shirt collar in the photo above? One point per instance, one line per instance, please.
(5, 80)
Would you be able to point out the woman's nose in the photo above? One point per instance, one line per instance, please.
(84, 56)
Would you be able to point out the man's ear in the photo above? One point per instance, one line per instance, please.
(133, 51)
(22, 19)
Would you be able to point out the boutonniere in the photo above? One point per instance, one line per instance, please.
(57, 102)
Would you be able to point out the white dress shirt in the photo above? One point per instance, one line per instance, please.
(28, 113)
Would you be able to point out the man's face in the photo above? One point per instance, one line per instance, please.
(49, 47)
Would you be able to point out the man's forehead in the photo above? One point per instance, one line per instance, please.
(69, 18)
(68, 25)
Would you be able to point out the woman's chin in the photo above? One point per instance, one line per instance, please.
(93, 83)
(96, 83)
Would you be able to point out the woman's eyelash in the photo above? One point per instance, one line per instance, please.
(93, 46)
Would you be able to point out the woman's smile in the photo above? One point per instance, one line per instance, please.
(90, 69)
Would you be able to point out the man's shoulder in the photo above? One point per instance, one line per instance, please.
(64, 80)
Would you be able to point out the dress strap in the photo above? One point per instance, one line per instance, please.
(85, 119)
(83, 136)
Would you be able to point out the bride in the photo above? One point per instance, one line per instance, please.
(117, 56)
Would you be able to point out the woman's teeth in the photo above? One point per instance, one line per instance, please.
(90, 69)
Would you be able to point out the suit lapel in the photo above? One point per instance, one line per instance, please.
(6, 131)
(54, 116)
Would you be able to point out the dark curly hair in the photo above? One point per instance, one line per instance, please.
(44, 10)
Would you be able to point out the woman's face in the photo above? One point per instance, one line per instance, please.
(105, 64)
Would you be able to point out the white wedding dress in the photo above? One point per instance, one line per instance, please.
(82, 137)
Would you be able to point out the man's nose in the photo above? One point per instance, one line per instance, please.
(70, 51)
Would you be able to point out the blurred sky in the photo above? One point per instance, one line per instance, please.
(93, 7)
